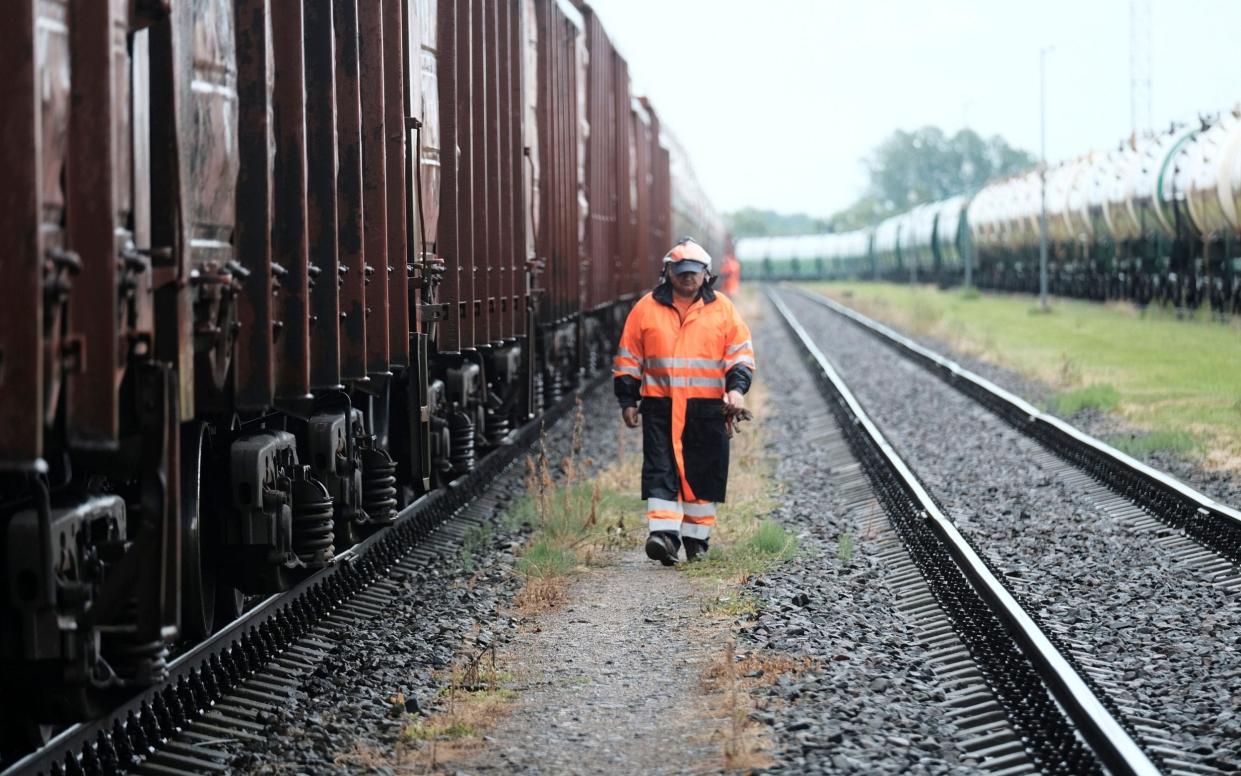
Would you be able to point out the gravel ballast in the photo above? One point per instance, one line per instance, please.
(343, 718)
(1221, 485)
(871, 704)
(1120, 596)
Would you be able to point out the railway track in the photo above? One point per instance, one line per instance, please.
(1128, 568)
(1215, 527)
(1066, 721)
(219, 690)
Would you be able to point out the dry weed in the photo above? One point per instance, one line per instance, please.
(727, 683)
(541, 594)
(472, 702)
(759, 669)
(366, 756)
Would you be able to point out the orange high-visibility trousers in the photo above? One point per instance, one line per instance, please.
(693, 518)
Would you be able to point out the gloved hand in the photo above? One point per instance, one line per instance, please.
(630, 414)
(735, 412)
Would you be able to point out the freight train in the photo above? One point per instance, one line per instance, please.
(1157, 220)
(274, 270)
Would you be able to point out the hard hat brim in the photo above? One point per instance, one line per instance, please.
(686, 265)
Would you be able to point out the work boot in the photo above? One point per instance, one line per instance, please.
(663, 546)
(695, 549)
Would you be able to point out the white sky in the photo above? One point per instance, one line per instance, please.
(778, 101)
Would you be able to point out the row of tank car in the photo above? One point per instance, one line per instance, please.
(274, 270)
(1155, 220)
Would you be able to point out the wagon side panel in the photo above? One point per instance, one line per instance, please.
(290, 236)
(447, 235)
(350, 219)
(482, 149)
(321, 196)
(394, 159)
(254, 376)
(21, 155)
(374, 184)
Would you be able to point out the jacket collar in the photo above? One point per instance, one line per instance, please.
(663, 293)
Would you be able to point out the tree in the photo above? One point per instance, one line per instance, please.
(867, 211)
(906, 169)
(911, 168)
(752, 222)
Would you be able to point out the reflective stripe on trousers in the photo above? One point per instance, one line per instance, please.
(691, 518)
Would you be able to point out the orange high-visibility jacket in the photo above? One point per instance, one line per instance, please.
(683, 367)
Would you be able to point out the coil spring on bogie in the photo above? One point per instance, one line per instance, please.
(313, 521)
(552, 389)
(378, 486)
(141, 663)
(461, 439)
(497, 427)
(134, 662)
(538, 393)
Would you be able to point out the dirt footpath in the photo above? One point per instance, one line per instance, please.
(609, 681)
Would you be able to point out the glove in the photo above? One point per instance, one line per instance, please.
(733, 416)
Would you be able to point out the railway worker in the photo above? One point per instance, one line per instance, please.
(731, 274)
(684, 364)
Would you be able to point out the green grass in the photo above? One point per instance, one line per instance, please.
(422, 730)
(1139, 445)
(1169, 376)
(731, 605)
(1102, 396)
(769, 545)
(547, 558)
(475, 539)
(844, 548)
(568, 520)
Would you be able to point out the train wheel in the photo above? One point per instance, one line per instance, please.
(198, 539)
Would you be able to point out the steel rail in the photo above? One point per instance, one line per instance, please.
(1213, 524)
(135, 729)
(1106, 736)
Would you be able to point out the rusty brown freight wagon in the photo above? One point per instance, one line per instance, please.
(273, 272)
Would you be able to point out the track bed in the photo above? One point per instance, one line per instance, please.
(1130, 597)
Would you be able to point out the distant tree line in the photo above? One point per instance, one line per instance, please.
(906, 169)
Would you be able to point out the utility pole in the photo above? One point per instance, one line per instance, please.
(1141, 67)
(966, 247)
(1042, 175)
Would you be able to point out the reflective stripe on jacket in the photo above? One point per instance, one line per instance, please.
(682, 360)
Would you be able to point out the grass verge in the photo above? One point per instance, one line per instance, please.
(1103, 397)
(573, 521)
(1139, 445)
(1170, 376)
(768, 545)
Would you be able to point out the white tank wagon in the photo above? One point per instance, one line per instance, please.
(828, 256)
(1156, 219)
(915, 242)
(949, 240)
